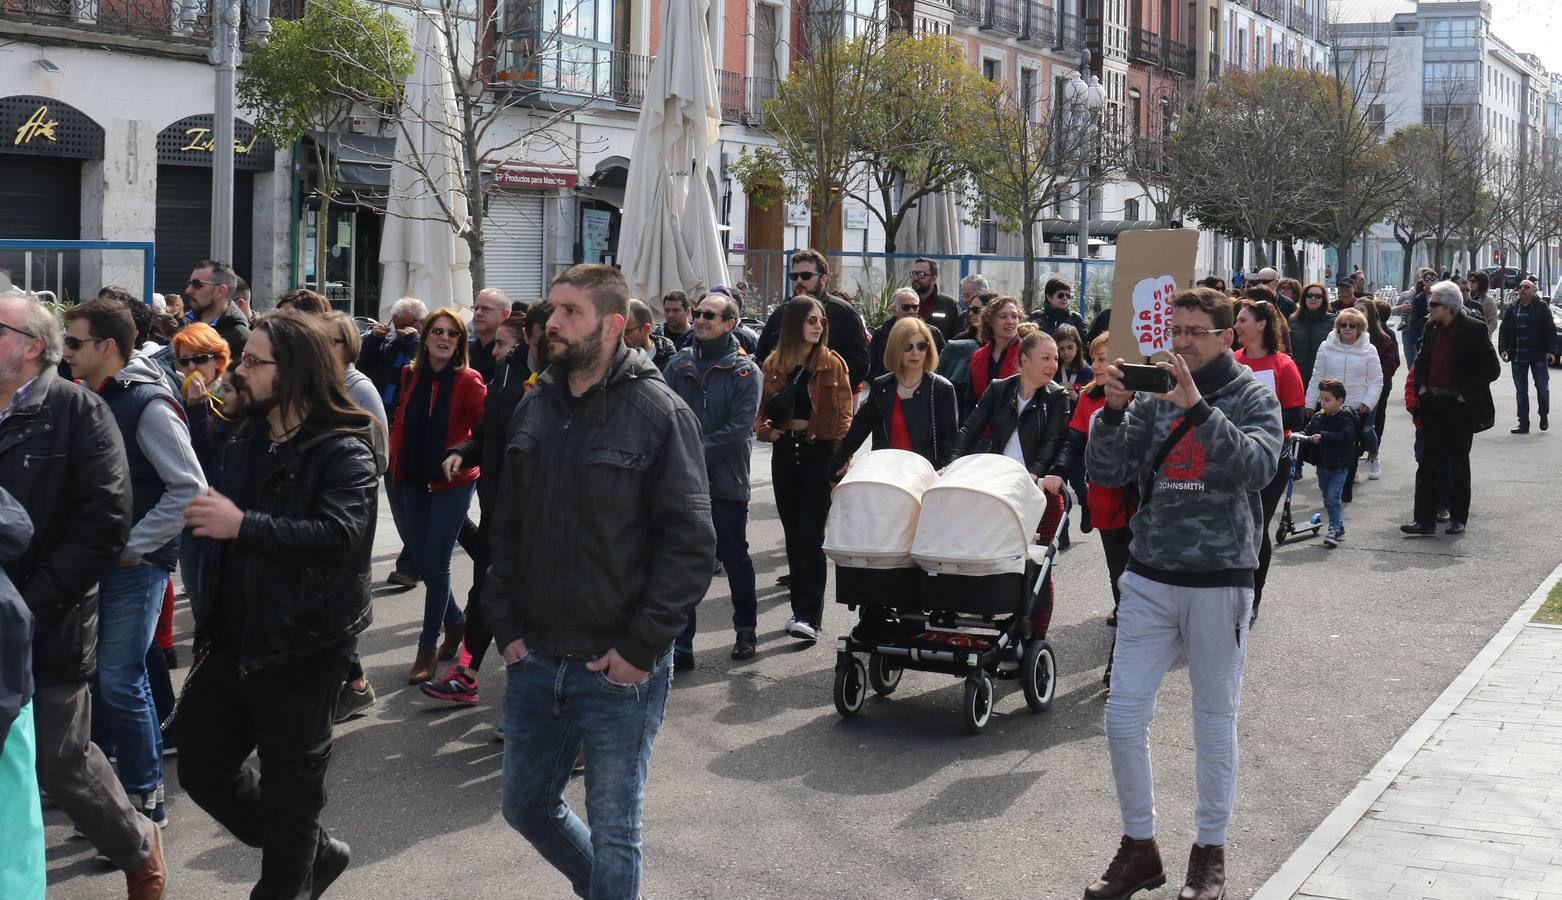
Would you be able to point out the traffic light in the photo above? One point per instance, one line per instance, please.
(1496, 258)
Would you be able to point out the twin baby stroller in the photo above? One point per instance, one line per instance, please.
(947, 576)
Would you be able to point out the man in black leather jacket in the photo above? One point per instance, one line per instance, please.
(293, 516)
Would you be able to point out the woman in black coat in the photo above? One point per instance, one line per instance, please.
(1028, 413)
(910, 407)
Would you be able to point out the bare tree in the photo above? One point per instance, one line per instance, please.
(1534, 211)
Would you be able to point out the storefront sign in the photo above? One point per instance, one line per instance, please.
(189, 142)
(534, 176)
(42, 126)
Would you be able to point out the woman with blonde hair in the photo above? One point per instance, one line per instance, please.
(1350, 357)
(910, 407)
(804, 410)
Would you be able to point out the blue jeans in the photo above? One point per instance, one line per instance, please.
(731, 520)
(1541, 372)
(553, 707)
(406, 563)
(128, 605)
(1332, 483)
(432, 522)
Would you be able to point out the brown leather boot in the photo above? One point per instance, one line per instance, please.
(452, 643)
(1206, 873)
(150, 880)
(422, 667)
(1136, 867)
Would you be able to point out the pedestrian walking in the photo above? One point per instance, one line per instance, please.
(1058, 308)
(212, 296)
(805, 409)
(1453, 404)
(62, 456)
(721, 383)
(1388, 361)
(442, 404)
(848, 339)
(641, 333)
(1311, 325)
(937, 309)
(490, 307)
(675, 327)
(1026, 414)
(292, 518)
(1349, 356)
(602, 544)
(387, 349)
(1413, 313)
(1482, 297)
(1332, 433)
(164, 477)
(22, 866)
(1200, 454)
(1528, 341)
(903, 304)
(910, 407)
(999, 355)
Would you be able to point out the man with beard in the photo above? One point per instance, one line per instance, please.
(598, 560)
(210, 295)
(936, 309)
(53, 434)
(292, 516)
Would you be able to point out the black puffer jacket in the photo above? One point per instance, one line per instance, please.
(603, 538)
(1042, 426)
(932, 420)
(303, 549)
(485, 448)
(62, 456)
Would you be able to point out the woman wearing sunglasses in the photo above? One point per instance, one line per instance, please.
(1311, 325)
(909, 407)
(1349, 356)
(444, 402)
(200, 357)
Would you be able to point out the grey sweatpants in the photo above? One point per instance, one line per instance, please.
(1155, 622)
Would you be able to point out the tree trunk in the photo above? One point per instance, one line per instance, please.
(479, 268)
(1342, 256)
(322, 236)
(1260, 254)
(1028, 243)
(1293, 265)
(1406, 264)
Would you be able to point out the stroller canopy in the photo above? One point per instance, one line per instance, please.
(980, 518)
(875, 508)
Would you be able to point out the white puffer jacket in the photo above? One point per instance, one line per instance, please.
(1357, 365)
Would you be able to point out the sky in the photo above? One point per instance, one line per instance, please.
(1529, 26)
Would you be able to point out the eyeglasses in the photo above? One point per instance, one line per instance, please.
(804, 276)
(75, 343)
(919, 346)
(916, 274)
(707, 315)
(442, 331)
(908, 307)
(1265, 280)
(4, 328)
(199, 359)
(1178, 331)
(250, 361)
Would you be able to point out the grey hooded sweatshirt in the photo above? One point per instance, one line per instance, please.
(1201, 527)
(163, 439)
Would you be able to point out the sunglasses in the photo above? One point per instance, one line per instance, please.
(74, 343)
(1314, 296)
(908, 307)
(921, 274)
(199, 359)
(1345, 325)
(804, 276)
(707, 315)
(1265, 280)
(198, 283)
(919, 346)
(442, 331)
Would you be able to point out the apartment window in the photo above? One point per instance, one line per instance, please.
(1376, 118)
(1445, 33)
(988, 232)
(991, 69)
(1028, 94)
(1130, 210)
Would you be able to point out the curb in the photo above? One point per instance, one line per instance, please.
(1284, 884)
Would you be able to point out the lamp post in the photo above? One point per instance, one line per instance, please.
(227, 16)
(1167, 100)
(1085, 99)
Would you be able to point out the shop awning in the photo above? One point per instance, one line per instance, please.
(363, 161)
(612, 196)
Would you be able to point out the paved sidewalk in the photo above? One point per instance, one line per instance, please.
(1469, 803)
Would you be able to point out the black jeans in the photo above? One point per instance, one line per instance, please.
(1270, 498)
(731, 520)
(284, 714)
(1115, 542)
(800, 476)
(478, 637)
(1443, 431)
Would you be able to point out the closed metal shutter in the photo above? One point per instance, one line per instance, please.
(184, 224)
(512, 244)
(43, 202)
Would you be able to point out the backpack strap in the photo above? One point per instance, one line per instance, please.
(1172, 440)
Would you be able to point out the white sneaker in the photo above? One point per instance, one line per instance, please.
(1358, 476)
(801, 630)
(1375, 471)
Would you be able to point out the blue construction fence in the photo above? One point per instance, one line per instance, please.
(74, 270)
(870, 277)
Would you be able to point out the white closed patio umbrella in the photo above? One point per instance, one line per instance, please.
(420, 253)
(933, 225)
(668, 240)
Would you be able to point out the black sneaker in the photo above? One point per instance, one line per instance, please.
(1543, 422)
(784, 580)
(331, 859)
(743, 647)
(1522, 429)
(683, 660)
(350, 702)
(1418, 528)
(1454, 528)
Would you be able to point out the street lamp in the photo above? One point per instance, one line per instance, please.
(227, 18)
(1084, 99)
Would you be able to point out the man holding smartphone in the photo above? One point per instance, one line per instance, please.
(1199, 454)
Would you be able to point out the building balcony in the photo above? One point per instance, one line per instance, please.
(729, 87)
(759, 90)
(968, 12)
(1177, 57)
(1303, 21)
(1144, 46)
(1147, 156)
(1070, 32)
(1040, 24)
(1274, 9)
(156, 19)
(1005, 17)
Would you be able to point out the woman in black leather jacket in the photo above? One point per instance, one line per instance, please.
(910, 407)
(1028, 413)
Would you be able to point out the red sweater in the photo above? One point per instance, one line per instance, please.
(1278, 372)
(1109, 508)
(981, 360)
(466, 411)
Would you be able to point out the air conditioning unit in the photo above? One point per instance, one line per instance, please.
(358, 125)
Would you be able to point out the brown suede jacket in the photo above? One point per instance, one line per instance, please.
(829, 390)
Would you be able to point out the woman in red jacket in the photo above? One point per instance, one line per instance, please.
(999, 355)
(443, 402)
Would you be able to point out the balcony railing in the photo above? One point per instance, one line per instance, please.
(729, 87)
(1177, 57)
(1040, 23)
(1143, 45)
(1302, 21)
(1274, 9)
(1004, 16)
(759, 91)
(968, 11)
(149, 18)
(1070, 33)
(1148, 155)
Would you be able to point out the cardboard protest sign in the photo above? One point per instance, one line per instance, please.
(1151, 267)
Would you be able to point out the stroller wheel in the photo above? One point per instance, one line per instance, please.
(1039, 676)
(882, 675)
(978, 708)
(851, 687)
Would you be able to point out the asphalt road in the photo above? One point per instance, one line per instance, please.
(758, 788)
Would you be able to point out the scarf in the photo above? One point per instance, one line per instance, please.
(423, 429)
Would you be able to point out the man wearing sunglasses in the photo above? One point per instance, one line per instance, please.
(165, 475)
(209, 295)
(1412, 309)
(52, 434)
(904, 304)
(810, 275)
(936, 309)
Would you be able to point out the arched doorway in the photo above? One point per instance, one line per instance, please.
(43, 144)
